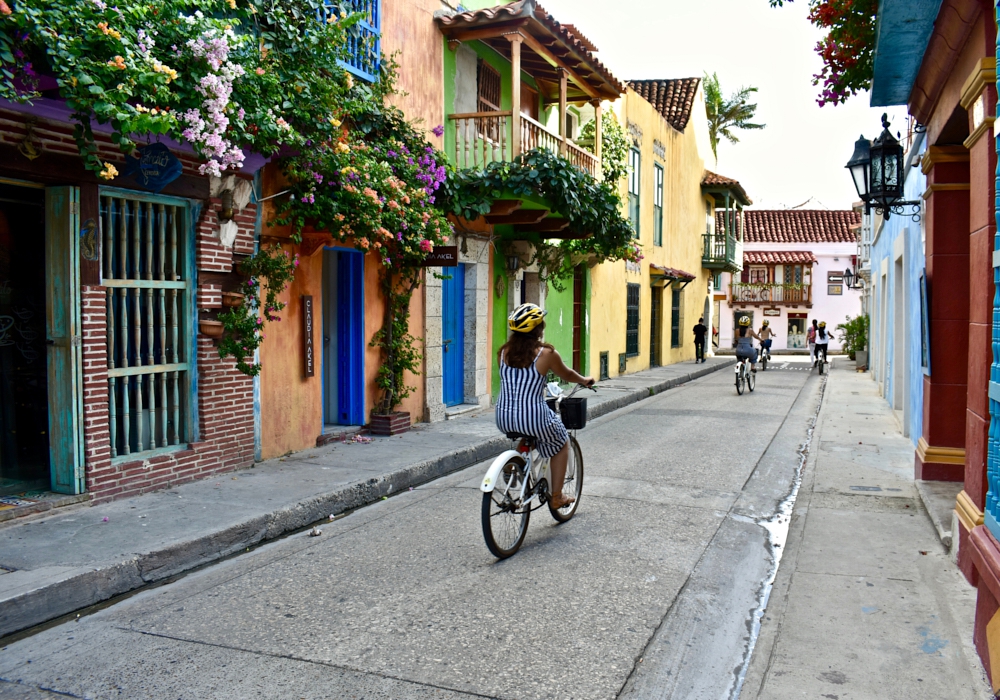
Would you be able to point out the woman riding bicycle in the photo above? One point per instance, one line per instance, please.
(524, 362)
(822, 342)
(766, 335)
(744, 343)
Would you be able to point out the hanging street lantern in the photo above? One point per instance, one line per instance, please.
(877, 170)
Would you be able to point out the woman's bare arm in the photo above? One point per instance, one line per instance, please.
(550, 361)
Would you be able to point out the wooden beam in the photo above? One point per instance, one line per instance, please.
(515, 98)
(502, 207)
(492, 32)
(598, 137)
(549, 224)
(522, 216)
(555, 62)
(563, 86)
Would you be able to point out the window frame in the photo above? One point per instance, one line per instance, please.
(366, 67)
(635, 188)
(633, 304)
(658, 179)
(187, 327)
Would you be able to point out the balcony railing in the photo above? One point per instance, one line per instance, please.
(722, 252)
(484, 137)
(754, 293)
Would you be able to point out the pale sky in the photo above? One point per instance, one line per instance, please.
(803, 150)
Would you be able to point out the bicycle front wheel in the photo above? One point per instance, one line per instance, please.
(573, 484)
(739, 379)
(505, 517)
(763, 361)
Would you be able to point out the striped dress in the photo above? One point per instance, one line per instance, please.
(521, 408)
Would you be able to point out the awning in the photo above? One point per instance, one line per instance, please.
(671, 274)
(778, 257)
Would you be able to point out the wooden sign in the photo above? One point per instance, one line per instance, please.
(309, 354)
(442, 256)
(772, 312)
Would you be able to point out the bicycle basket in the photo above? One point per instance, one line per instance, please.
(573, 411)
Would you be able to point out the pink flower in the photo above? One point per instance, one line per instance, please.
(426, 245)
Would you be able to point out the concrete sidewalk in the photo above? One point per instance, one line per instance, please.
(866, 602)
(62, 561)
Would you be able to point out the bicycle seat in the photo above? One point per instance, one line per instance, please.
(520, 436)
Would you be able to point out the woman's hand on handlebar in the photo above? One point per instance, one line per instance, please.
(588, 382)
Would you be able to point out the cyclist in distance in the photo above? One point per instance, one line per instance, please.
(822, 342)
(524, 362)
(744, 343)
(766, 335)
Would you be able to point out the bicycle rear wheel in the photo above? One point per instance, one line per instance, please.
(751, 380)
(573, 484)
(505, 518)
(740, 370)
(763, 361)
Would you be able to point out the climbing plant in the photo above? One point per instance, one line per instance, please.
(615, 146)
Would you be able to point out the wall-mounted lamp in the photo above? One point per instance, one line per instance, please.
(227, 213)
(513, 263)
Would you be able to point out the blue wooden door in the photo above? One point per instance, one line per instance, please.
(453, 335)
(62, 253)
(350, 339)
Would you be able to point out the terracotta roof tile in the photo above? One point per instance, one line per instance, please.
(671, 98)
(778, 257)
(710, 179)
(799, 226)
(567, 33)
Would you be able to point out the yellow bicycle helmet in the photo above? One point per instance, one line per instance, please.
(525, 318)
(744, 321)
(765, 324)
(822, 324)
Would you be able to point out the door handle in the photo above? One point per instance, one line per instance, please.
(445, 344)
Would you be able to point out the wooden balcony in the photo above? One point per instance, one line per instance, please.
(754, 294)
(485, 137)
(722, 252)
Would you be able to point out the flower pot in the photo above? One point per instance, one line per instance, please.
(213, 329)
(232, 299)
(390, 423)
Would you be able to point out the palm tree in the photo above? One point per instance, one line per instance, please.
(727, 114)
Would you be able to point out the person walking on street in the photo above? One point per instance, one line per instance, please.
(811, 339)
(699, 341)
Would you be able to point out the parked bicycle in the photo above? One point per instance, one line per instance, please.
(744, 376)
(517, 482)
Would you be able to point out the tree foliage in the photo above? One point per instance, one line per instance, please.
(615, 146)
(727, 114)
(847, 49)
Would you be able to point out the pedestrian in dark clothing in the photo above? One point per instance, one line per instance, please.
(699, 341)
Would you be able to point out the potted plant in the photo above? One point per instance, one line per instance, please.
(854, 336)
(232, 300)
(213, 329)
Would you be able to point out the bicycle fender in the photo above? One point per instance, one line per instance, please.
(490, 480)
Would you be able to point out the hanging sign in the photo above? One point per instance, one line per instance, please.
(442, 256)
(154, 168)
(309, 355)
(772, 312)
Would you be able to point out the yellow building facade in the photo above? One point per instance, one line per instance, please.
(642, 314)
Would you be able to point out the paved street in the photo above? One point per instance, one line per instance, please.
(649, 592)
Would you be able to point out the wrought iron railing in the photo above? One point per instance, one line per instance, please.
(756, 293)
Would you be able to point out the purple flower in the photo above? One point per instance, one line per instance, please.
(438, 130)
(391, 153)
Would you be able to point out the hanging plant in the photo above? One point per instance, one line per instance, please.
(615, 146)
(374, 188)
(223, 75)
(268, 273)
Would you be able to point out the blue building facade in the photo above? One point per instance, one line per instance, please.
(898, 356)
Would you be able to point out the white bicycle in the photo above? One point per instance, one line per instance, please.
(744, 376)
(518, 481)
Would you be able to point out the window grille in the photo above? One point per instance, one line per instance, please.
(658, 205)
(488, 81)
(634, 165)
(363, 43)
(632, 320)
(148, 318)
(604, 366)
(675, 318)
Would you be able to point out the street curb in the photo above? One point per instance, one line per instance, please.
(51, 600)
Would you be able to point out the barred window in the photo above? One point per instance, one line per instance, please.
(149, 319)
(363, 44)
(488, 83)
(676, 317)
(632, 320)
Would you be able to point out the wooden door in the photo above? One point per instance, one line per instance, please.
(453, 335)
(656, 327)
(529, 101)
(64, 337)
(350, 338)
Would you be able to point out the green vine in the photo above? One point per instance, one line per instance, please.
(269, 271)
(592, 208)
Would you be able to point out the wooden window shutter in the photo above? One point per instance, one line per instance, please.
(488, 82)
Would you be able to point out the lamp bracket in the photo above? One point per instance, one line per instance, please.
(898, 207)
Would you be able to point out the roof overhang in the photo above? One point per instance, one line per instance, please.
(552, 48)
(670, 275)
(778, 257)
(903, 31)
